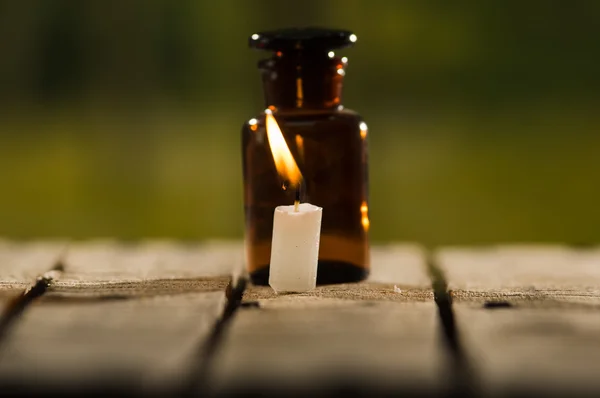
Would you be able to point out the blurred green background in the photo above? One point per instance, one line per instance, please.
(122, 118)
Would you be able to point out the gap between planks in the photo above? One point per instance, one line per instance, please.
(234, 292)
(45, 283)
(527, 314)
(456, 372)
(17, 304)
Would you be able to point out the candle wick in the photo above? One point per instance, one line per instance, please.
(297, 200)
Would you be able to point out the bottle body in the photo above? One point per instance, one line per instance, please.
(331, 150)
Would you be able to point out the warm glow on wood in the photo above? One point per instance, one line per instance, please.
(284, 161)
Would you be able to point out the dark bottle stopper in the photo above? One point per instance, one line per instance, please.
(303, 39)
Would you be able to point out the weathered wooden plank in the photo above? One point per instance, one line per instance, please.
(522, 272)
(523, 349)
(398, 273)
(131, 344)
(357, 291)
(400, 264)
(374, 334)
(311, 343)
(107, 261)
(147, 268)
(128, 316)
(22, 262)
(537, 331)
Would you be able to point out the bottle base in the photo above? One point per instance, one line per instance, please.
(328, 273)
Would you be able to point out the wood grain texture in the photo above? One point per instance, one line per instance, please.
(137, 343)
(399, 264)
(382, 333)
(137, 314)
(532, 349)
(107, 261)
(398, 273)
(307, 342)
(522, 273)
(21, 263)
(527, 316)
(148, 268)
(355, 291)
(126, 316)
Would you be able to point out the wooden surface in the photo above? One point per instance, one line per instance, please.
(179, 319)
(20, 264)
(528, 316)
(381, 332)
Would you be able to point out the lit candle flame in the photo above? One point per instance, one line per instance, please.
(284, 161)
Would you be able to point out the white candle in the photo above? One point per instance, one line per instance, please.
(295, 248)
(296, 229)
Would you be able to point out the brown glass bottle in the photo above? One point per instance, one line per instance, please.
(302, 84)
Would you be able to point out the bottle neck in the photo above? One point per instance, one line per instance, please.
(302, 82)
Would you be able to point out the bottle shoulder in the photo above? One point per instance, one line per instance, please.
(349, 113)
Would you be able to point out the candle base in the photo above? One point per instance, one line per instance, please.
(328, 273)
